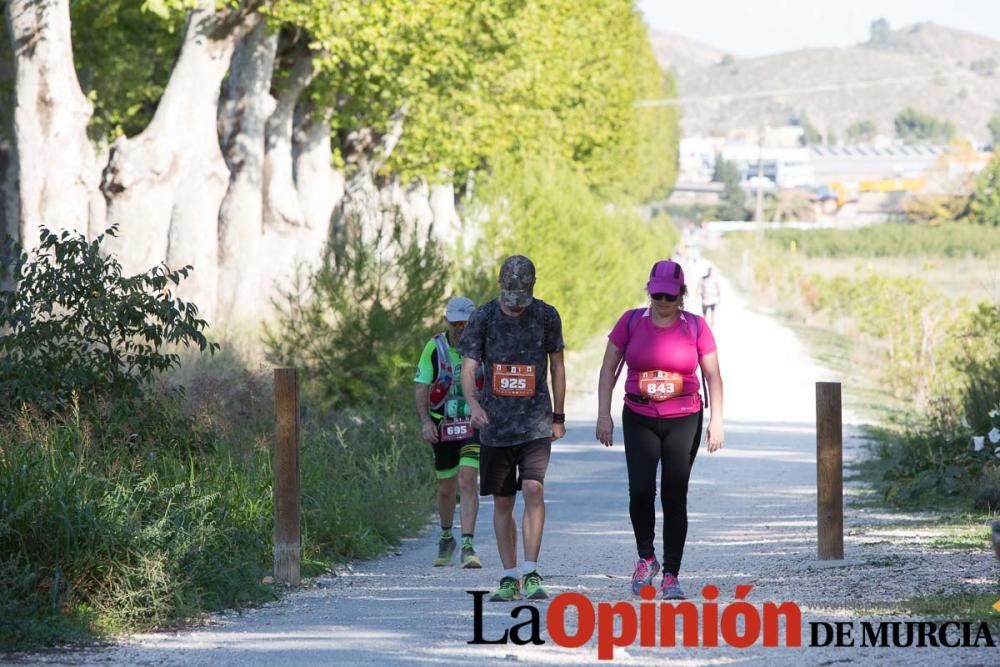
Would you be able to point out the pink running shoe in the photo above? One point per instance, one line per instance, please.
(643, 574)
(671, 589)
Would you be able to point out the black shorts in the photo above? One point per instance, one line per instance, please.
(705, 307)
(501, 469)
(448, 456)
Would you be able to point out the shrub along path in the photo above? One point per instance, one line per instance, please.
(752, 521)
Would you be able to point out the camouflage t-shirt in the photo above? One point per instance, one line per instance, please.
(528, 339)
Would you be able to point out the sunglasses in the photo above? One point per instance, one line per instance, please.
(457, 325)
(660, 296)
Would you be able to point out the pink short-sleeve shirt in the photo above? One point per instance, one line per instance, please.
(677, 348)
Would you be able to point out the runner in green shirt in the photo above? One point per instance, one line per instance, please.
(446, 425)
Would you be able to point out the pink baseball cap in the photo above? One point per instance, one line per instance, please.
(667, 277)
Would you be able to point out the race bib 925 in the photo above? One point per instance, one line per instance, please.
(516, 380)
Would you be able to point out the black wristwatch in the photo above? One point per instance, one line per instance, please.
(558, 417)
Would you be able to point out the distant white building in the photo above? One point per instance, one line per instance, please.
(783, 167)
(847, 166)
(697, 158)
(865, 162)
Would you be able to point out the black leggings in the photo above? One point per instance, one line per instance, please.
(648, 441)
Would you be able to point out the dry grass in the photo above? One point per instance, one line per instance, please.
(972, 279)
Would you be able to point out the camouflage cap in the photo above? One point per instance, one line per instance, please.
(517, 281)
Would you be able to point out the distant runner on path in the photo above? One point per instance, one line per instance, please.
(710, 295)
(446, 425)
(663, 346)
(516, 337)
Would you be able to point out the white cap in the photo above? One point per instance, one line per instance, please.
(459, 309)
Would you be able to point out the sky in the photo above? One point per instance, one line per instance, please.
(759, 27)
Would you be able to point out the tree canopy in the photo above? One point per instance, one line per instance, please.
(474, 81)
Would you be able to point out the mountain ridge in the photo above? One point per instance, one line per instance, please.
(947, 73)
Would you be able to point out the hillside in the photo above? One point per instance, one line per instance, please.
(947, 73)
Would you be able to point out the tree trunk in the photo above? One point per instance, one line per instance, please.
(55, 168)
(361, 210)
(8, 173)
(165, 187)
(284, 217)
(281, 201)
(447, 224)
(246, 105)
(413, 202)
(320, 187)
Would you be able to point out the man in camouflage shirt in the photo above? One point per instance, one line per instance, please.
(517, 338)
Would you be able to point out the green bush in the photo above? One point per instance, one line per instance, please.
(592, 258)
(367, 481)
(939, 356)
(891, 240)
(114, 539)
(76, 329)
(355, 328)
(127, 505)
(99, 537)
(985, 206)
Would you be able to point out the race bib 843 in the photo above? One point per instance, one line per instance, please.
(660, 385)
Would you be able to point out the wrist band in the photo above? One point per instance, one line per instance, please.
(558, 418)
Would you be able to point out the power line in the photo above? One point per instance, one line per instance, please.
(725, 97)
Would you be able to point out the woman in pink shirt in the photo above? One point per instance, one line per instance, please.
(663, 346)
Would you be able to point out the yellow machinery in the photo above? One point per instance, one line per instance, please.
(848, 192)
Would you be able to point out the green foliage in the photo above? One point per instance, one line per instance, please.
(483, 81)
(76, 327)
(984, 208)
(936, 208)
(994, 127)
(356, 326)
(123, 51)
(978, 361)
(913, 126)
(891, 240)
(477, 81)
(106, 539)
(368, 480)
(940, 357)
(732, 204)
(878, 32)
(984, 66)
(973, 606)
(810, 135)
(862, 131)
(546, 211)
(96, 538)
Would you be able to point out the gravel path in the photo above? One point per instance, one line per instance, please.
(752, 521)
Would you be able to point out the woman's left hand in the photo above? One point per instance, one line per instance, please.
(715, 435)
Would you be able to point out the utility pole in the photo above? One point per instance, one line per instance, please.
(758, 215)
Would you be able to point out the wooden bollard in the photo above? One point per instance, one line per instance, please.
(829, 471)
(287, 544)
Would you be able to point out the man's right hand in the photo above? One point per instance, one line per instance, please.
(429, 432)
(479, 416)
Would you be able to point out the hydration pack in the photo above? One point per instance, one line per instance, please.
(441, 388)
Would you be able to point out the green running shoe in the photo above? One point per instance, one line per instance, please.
(446, 549)
(509, 591)
(470, 559)
(533, 587)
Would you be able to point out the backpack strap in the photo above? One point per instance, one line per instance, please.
(631, 329)
(697, 335)
(445, 372)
